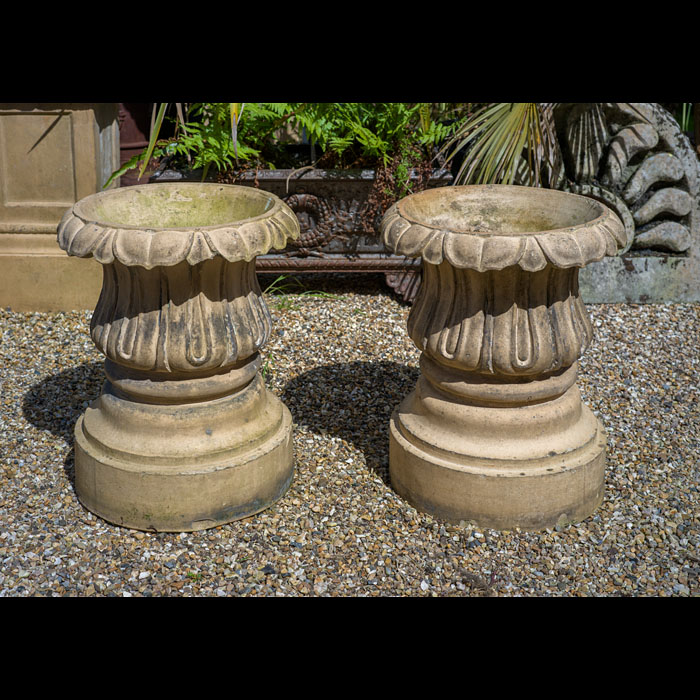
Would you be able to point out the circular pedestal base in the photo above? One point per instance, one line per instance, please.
(193, 488)
(533, 494)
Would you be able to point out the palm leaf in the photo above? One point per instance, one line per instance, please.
(181, 116)
(156, 123)
(500, 138)
(131, 163)
(236, 112)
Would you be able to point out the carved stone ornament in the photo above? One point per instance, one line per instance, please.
(495, 430)
(185, 435)
(634, 158)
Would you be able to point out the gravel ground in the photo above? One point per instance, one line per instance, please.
(341, 363)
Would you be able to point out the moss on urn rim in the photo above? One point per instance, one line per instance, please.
(488, 227)
(167, 223)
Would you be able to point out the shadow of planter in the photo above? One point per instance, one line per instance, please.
(352, 401)
(55, 404)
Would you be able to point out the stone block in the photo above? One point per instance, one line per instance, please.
(51, 156)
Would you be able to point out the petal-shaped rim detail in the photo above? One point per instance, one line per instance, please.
(289, 225)
(432, 250)
(103, 250)
(166, 245)
(533, 257)
(415, 239)
(199, 249)
(81, 245)
(502, 251)
(152, 247)
(256, 238)
(393, 227)
(464, 252)
(227, 246)
(561, 249)
(572, 246)
(67, 228)
(593, 245)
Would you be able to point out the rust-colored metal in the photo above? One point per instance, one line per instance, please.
(336, 263)
(332, 207)
(134, 126)
(405, 282)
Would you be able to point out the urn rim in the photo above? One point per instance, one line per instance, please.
(431, 224)
(87, 231)
(82, 207)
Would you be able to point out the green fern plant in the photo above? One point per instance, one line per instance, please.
(229, 136)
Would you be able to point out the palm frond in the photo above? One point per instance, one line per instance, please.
(499, 136)
(236, 112)
(156, 123)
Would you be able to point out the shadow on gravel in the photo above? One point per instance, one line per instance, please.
(55, 404)
(353, 401)
(328, 282)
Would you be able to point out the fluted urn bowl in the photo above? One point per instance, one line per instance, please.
(185, 435)
(495, 431)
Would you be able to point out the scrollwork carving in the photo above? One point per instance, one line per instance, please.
(323, 218)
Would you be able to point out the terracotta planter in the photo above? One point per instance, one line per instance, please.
(185, 434)
(495, 430)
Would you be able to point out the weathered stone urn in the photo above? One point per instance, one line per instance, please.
(495, 430)
(185, 435)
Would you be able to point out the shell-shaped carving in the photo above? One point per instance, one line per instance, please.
(241, 224)
(438, 230)
(626, 144)
(643, 150)
(660, 167)
(670, 200)
(668, 234)
(586, 133)
(509, 323)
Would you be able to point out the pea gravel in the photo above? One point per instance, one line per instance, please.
(341, 360)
